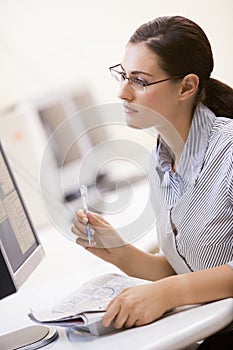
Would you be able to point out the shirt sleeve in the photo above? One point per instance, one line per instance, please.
(231, 179)
(231, 199)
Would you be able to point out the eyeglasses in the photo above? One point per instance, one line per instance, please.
(137, 84)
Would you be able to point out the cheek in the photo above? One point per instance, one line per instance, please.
(153, 110)
(163, 102)
(156, 100)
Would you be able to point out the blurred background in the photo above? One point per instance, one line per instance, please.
(52, 44)
(54, 59)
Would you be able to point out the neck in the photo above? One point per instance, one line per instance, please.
(174, 141)
(175, 133)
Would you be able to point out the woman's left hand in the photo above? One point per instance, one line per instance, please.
(138, 305)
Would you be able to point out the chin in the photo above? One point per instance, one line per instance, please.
(133, 126)
(132, 123)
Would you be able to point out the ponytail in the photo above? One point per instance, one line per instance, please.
(218, 97)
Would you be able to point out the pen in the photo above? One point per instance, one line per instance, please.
(83, 190)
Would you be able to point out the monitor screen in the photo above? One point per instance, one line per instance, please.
(20, 248)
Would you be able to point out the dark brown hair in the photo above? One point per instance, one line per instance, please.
(183, 48)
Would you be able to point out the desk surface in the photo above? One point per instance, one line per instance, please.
(65, 268)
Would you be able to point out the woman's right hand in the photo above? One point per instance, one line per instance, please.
(105, 241)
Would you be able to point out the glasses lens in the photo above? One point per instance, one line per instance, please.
(117, 75)
(137, 85)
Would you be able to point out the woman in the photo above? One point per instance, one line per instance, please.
(166, 68)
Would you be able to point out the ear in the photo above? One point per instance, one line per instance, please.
(189, 86)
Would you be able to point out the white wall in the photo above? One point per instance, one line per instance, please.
(50, 44)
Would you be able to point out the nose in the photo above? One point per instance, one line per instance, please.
(126, 93)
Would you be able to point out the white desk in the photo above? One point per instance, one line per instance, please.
(66, 267)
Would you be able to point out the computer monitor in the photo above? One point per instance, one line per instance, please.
(74, 124)
(20, 253)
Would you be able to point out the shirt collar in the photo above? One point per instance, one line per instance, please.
(193, 154)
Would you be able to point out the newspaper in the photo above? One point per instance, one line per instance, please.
(85, 308)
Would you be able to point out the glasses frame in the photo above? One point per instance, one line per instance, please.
(143, 84)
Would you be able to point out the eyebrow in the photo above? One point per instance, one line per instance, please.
(135, 72)
(141, 72)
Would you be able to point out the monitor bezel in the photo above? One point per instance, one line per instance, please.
(30, 264)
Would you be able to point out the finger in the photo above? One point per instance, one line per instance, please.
(79, 235)
(97, 220)
(121, 318)
(75, 231)
(80, 225)
(110, 314)
(81, 216)
(139, 323)
(131, 321)
(84, 242)
(83, 235)
(79, 230)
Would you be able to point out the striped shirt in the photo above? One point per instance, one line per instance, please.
(194, 205)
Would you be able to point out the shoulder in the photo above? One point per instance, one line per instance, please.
(224, 126)
(222, 134)
(219, 152)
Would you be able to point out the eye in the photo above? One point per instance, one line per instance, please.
(139, 82)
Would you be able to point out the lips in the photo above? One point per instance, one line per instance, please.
(128, 109)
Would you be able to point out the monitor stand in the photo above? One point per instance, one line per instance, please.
(32, 337)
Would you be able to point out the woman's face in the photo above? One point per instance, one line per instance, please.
(159, 101)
